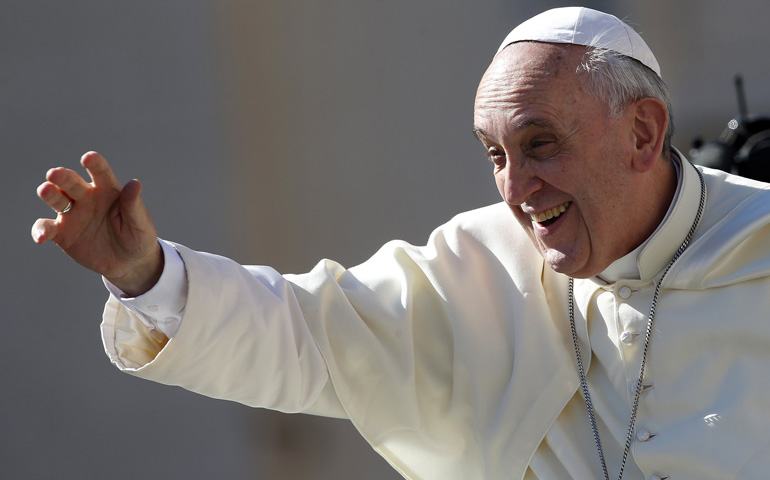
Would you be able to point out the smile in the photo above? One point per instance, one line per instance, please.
(549, 216)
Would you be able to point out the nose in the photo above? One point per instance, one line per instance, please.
(517, 182)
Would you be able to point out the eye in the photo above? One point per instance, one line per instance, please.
(496, 156)
(540, 147)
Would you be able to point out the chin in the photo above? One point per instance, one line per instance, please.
(561, 263)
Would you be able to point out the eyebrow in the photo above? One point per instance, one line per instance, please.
(527, 123)
(478, 133)
(535, 122)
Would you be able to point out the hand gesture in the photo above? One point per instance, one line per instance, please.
(102, 225)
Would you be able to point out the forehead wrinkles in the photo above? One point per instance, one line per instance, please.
(525, 76)
(507, 89)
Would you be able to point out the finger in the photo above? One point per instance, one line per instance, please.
(43, 230)
(135, 214)
(53, 196)
(69, 182)
(99, 170)
(132, 204)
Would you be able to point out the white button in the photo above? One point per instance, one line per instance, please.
(628, 337)
(624, 292)
(643, 435)
(645, 387)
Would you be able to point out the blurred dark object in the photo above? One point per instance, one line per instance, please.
(744, 146)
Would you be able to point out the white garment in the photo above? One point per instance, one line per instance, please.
(455, 360)
(162, 307)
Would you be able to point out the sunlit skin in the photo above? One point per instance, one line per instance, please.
(552, 145)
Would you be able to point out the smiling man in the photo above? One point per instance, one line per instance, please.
(607, 319)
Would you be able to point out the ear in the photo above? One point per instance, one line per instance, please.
(650, 121)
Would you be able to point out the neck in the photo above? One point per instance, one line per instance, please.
(656, 192)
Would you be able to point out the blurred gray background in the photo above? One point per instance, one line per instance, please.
(270, 131)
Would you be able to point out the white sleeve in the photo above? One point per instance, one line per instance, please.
(243, 337)
(162, 307)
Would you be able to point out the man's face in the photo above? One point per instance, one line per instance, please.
(561, 163)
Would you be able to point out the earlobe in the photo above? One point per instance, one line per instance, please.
(650, 119)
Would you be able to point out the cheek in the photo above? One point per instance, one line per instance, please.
(526, 224)
(524, 220)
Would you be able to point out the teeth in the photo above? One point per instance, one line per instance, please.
(550, 213)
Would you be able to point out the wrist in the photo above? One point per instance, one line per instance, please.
(143, 275)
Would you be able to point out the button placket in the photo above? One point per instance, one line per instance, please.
(631, 324)
(628, 335)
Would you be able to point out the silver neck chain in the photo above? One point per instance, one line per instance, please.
(647, 335)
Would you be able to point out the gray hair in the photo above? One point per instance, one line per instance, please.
(619, 80)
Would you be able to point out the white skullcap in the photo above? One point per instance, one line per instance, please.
(583, 26)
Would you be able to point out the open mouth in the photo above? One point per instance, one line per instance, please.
(549, 216)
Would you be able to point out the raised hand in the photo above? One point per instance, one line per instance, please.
(102, 225)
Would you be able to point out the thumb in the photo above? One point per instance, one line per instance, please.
(132, 207)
